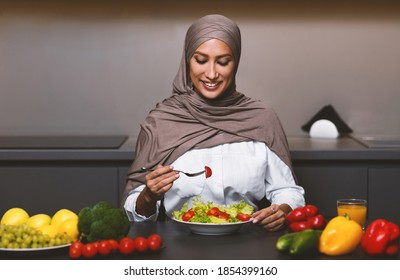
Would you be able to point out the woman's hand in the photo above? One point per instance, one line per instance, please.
(158, 182)
(272, 218)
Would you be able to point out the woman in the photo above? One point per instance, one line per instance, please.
(206, 122)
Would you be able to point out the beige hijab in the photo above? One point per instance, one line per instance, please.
(188, 121)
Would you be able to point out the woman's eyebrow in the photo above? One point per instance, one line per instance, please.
(218, 56)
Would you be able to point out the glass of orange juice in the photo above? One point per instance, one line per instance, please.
(355, 208)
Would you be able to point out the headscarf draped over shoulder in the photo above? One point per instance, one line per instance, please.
(188, 121)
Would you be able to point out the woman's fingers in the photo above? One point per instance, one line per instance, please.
(161, 179)
(271, 218)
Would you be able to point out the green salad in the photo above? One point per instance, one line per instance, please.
(216, 214)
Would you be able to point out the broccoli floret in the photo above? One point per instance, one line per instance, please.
(85, 219)
(102, 221)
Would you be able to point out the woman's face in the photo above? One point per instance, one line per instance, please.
(212, 68)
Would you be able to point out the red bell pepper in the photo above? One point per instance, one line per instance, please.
(381, 238)
(306, 217)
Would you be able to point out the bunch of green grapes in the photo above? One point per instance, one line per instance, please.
(23, 236)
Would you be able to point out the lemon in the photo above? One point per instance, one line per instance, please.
(61, 216)
(15, 216)
(50, 230)
(69, 227)
(38, 220)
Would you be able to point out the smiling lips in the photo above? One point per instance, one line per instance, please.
(211, 86)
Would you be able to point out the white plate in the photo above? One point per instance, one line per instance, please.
(35, 249)
(213, 229)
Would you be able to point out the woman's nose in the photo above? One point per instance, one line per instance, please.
(211, 72)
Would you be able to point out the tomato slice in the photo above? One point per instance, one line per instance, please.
(213, 212)
(208, 171)
(223, 215)
(188, 215)
(243, 217)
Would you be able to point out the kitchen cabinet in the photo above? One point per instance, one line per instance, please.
(330, 169)
(46, 189)
(384, 193)
(45, 180)
(324, 184)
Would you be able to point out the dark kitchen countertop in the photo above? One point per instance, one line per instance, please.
(342, 148)
(249, 243)
(84, 148)
(301, 148)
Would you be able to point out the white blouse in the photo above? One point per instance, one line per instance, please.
(245, 170)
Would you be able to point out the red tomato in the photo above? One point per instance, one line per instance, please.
(74, 252)
(317, 222)
(96, 244)
(89, 250)
(298, 214)
(154, 236)
(104, 248)
(208, 171)
(213, 212)
(141, 244)
(154, 242)
(243, 217)
(223, 215)
(300, 226)
(77, 245)
(113, 244)
(188, 215)
(126, 246)
(311, 210)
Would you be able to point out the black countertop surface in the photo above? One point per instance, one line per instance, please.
(179, 243)
(122, 148)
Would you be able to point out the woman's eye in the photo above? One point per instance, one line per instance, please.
(200, 61)
(224, 62)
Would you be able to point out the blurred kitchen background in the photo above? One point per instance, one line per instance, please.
(97, 67)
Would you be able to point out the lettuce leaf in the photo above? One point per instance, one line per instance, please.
(202, 208)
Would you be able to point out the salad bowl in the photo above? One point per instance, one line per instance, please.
(212, 229)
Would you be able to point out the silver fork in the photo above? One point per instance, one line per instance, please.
(144, 169)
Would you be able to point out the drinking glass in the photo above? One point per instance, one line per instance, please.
(355, 208)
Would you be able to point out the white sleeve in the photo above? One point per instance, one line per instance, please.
(130, 207)
(280, 183)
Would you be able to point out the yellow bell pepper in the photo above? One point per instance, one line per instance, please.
(341, 236)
